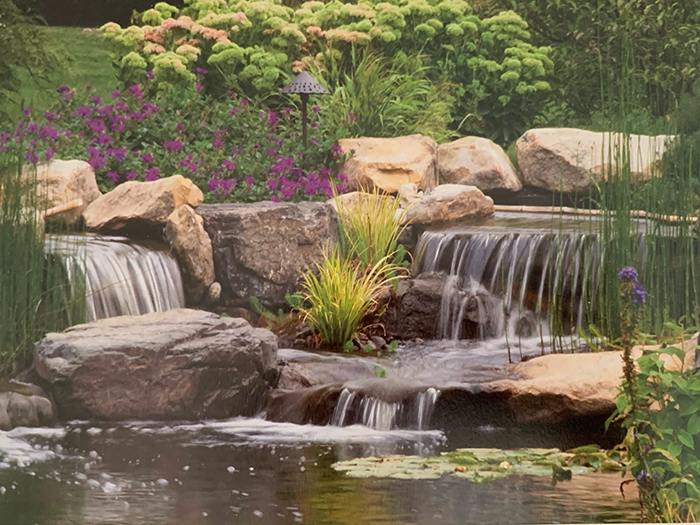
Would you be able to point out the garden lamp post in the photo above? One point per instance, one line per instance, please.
(304, 85)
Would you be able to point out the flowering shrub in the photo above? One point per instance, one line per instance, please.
(232, 150)
(252, 48)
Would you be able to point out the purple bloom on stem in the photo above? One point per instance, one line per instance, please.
(135, 90)
(149, 75)
(272, 184)
(63, 89)
(97, 162)
(131, 175)
(152, 174)
(198, 86)
(233, 111)
(138, 116)
(47, 132)
(97, 125)
(337, 150)
(628, 273)
(116, 93)
(352, 117)
(315, 109)
(639, 295)
(96, 100)
(180, 127)
(315, 141)
(271, 151)
(228, 165)
(174, 145)
(104, 111)
(31, 157)
(275, 199)
(217, 143)
(149, 109)
(104, 139)
(200, 71)
(32, 127)
(244, 101)
(250, 181)
(68, 95)
(147, 157)
(114, 176)
(82, 111)
(49, 116)
(49, 153)
(26, 111)
(272, 118)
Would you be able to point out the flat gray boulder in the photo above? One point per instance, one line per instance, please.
(24, 405)
(179, 364)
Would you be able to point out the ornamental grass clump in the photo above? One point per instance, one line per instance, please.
(343, 293)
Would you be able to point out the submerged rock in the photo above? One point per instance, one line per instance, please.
(261, 249)
(24, 405)
(389, 163)
(572, 160)
(180, 364)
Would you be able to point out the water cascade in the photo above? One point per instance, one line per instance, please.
(121, 277)
(410, 413)
(509, 282)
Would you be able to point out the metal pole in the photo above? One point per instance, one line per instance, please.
(304, 100)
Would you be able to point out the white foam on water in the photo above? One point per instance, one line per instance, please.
(16, 451)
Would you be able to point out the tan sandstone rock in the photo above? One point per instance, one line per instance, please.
(388, 163)
(557, 387)
(449, 202)
(192, 246)
(569, 160)
(476, 161)
(61, 182)
(141, 207)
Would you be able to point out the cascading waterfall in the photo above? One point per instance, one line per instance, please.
(121, 277)
(510, 283)
(413, 412)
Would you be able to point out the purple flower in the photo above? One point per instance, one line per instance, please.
(97, 162)
(104, 111)
(96, 100)
(272, 184)
(131, 175)
(217, 143)
(315, 109)
(200, 71)
(31, 157)
(47, 132)
(352, 117)
(197, 86)
(32, 127)
(244, 101)
(82, 112)
(135, 90)
(228, 165)
(116, 94)
(49, 116)
(180, 127)
(639, 295)
(26, 111)
(138, 116)
(275, 199)
(233, 111)
(63, 89)
(315, 141)
(337, 150)
(149, 75)
(272, 119)
(173, 145)
(250, 181)
(118, 154)
(114, 176)
(271, 151)
(97, 125)
(147, 157)
(152, 174)
(103, 139)
(628, 273)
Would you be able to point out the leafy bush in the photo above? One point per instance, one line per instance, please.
(250, 47)
(230, 149)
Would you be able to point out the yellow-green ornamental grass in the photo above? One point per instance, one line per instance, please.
(355, 272)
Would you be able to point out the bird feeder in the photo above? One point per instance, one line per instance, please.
(304, 85)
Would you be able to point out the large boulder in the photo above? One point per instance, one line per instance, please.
(476, 161)
(389, 163)
(261, 249)
(447, 203)
(180, 364)
(24, 405)
(61, 182)
(141, 208)
(192, 246)
(571, 160)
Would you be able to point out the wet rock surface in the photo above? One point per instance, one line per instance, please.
(448, 203)
(24, 405)
(180, 364)
(261, 249)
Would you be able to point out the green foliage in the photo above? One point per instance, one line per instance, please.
(341, 295)
(24, 47)
(381, 97)
(588, 43)
(663, 422)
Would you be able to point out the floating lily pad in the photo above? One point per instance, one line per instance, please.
(484, 464)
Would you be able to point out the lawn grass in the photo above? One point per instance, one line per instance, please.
(85, 61)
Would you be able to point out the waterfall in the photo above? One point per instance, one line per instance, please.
(413, 412)
(510, 282)
(121, 277)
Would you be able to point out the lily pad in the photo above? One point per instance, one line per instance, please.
(483, 464)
